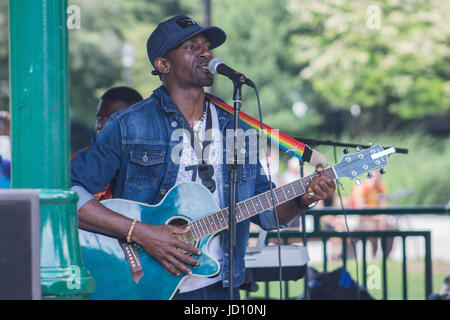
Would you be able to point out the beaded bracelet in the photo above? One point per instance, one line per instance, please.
(130, 231)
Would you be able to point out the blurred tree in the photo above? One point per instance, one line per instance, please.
(94, 53)
(388, 57)
(259, 44)
(313, 62)
(96, 48)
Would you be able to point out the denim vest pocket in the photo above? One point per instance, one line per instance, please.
(145, 166)
(246, 182)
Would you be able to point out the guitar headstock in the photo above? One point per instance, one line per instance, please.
(353, 165)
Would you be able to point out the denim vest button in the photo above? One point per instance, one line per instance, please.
(174, 124)
(162, 192)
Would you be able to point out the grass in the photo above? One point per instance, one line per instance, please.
(415, 280)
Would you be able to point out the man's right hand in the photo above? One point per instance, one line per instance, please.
(162, 242)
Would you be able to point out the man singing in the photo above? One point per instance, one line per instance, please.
(134, 153)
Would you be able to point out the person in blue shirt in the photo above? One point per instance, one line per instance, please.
(137, 154)
(5, 165)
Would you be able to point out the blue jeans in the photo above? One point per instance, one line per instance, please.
(215, 291)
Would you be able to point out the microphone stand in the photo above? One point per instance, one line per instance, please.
(233, 178)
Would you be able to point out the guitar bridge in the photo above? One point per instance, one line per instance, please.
(133, 260)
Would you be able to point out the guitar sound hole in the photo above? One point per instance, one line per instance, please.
(186, 237)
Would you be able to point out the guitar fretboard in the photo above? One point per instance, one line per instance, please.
(218, 221)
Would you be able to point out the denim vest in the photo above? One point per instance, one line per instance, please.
(133, 153)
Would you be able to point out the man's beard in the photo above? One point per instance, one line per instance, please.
(204, 80)
(207, 82)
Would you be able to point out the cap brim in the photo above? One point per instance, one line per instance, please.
(215, 36)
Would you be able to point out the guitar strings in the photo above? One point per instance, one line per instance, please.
(192, 236)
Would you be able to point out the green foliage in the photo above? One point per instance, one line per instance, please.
(426, 168)
(258, 36)
(401, 65)
(324, 54)
(96, 49)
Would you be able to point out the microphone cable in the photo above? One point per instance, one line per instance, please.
(280, 269)
(338, 184)
(303, 220)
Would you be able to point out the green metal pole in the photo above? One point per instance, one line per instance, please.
(40, 138)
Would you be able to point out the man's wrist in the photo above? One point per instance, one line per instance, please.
(303, 205)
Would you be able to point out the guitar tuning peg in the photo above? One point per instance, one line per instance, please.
(382, 171)
(358, 181)
(358, 148)
(346, 151)
(370, 175)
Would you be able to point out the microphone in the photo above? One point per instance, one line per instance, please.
(217, 66)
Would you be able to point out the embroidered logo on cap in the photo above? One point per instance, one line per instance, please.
(186, 22)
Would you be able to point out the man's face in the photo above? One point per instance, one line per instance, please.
(189, 62)
(105, 109)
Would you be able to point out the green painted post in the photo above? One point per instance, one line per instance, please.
(40, 138)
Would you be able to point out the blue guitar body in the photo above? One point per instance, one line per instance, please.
(105, 259)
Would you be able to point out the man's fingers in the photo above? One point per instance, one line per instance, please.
(178, 265)
(181, 244)
(187, 247)
(173, 264)
(319, 194)
(331, 184)
(179, 230)
(181, 256)
(327, 186)
(321, 187)
(319, 168)
(170, 246)
(169, 267)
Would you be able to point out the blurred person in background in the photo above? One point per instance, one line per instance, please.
(292, 172)
(5, 150)
(112, 101)
(372, 193)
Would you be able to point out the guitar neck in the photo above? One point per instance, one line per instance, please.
(246, 209)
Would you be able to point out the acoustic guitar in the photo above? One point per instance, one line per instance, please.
(190, 204)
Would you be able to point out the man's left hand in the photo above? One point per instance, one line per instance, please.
(320, 188)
